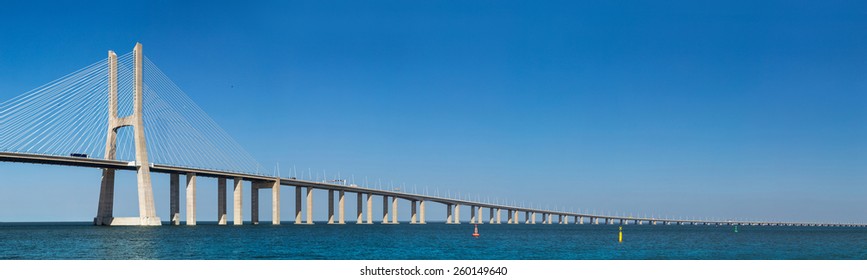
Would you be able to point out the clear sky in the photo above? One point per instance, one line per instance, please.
(726, 109)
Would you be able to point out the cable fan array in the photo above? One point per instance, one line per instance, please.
(70, 116)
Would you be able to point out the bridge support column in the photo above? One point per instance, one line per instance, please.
(359, 210)
(175, 198)
(413, 212)
(221, 201)
(457, 214)
(545, 218)
(472, 214)
(105, 208)
(384, 209)
(498, 215)
(191, 199)
(509, 216)
(421, 217)
(254, 203)
(275, 202)
(394, 210)
(298, 205)
(237, 218)
(309, 206)
(330, 207)
(533, 218)
(581, 220)
(146, 206)
(369, 208)
(526, 217)
(340, 208)
(449, 214)
(515, 217)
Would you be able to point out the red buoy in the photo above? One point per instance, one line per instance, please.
(476, 231)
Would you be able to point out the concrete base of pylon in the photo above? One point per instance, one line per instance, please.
(127, 221)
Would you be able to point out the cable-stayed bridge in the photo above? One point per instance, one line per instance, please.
(123, 113)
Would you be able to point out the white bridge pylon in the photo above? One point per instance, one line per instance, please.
(147, 210)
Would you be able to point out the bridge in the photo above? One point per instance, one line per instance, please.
(75, 121)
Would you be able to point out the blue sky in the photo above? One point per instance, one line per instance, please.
(732, 109)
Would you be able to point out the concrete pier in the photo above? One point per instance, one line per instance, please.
(369, 209)
(254, 203)
(221, 201)
(509, 217)
(330, 207)
(191, 199)
(413, 212)
(457, 214)
(421, 206)
(237, 217)
(449, 218)
(359, 212)
(515, 217)
(174, 199)
(298, 205)
(533, 218)
(341, 219)
(479, 220)
(275, 202)
(526, 217)
(309, 206)
(472, 214)
(394, 210)
(499, 215)
(384, 209)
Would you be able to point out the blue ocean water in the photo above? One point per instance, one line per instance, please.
(430, 241)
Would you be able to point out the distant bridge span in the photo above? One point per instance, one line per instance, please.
(418, 217)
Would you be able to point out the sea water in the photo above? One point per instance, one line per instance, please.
(430, 241)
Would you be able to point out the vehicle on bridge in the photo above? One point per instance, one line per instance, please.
(78, 155)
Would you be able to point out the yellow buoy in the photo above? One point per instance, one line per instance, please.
(620, 237)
